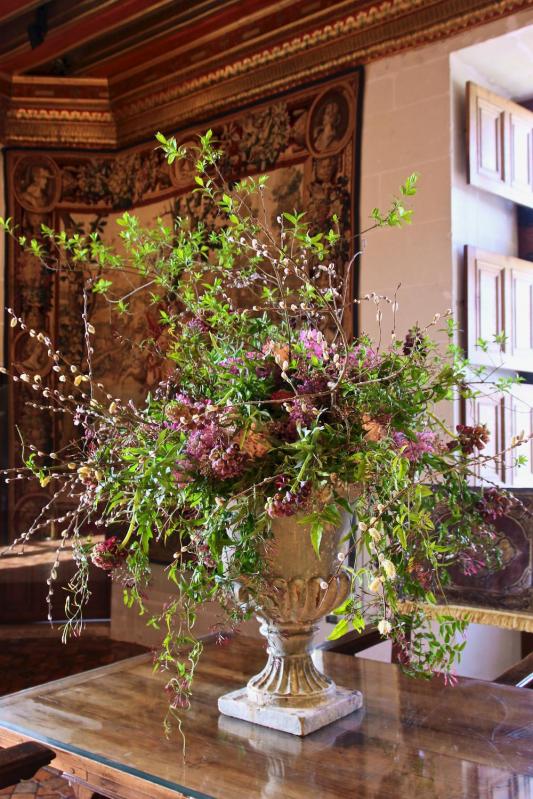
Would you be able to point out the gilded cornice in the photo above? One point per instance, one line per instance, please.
(83, 111)
(359, 39)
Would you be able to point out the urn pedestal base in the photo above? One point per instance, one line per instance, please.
(296, 720)
(301, 586)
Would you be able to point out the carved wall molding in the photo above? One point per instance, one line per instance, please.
(89, 112)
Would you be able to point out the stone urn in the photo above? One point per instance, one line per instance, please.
(291, 693)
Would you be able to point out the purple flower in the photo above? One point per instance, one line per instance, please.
(300, 414)
(197, 325)
(287, 502)
(203, 440)
(362, 358)
(313, 385)
(236, 363)
(228, 462)
(425, 442)
(494, 504)
(314, 343)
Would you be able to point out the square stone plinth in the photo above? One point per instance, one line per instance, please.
(298, 721)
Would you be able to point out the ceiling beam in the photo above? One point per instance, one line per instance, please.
(100, 16)
(9, 9)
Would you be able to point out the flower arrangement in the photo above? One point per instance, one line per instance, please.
(269, 408)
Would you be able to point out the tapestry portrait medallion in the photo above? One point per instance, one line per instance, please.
(331, 120)
(36, 183)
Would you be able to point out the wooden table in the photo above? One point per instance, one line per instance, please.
(413, 739)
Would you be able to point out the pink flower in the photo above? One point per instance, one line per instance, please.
(203, 440)
(197, 325)
(314, 343)
(108, 555)
(471, 565)
(425, 442)
(361, 358)
(449, 679)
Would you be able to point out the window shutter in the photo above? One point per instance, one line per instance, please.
(490, 409)
(499, 298)
(500, 145)
(522, 422)
(520, 279)
(486, 300)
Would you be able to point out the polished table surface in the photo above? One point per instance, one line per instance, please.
(414, 738)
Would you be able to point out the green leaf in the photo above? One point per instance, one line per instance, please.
(340, 629)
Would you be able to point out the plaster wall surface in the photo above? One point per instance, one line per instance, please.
(414, 121)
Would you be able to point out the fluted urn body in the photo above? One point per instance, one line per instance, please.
(302, 587)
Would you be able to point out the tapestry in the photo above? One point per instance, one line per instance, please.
(307, 141)
(510, 588)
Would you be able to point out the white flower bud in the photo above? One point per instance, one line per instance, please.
(389, 568)
(374, 534)
(384, 627)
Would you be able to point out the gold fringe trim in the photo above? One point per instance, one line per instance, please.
(511, 620)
